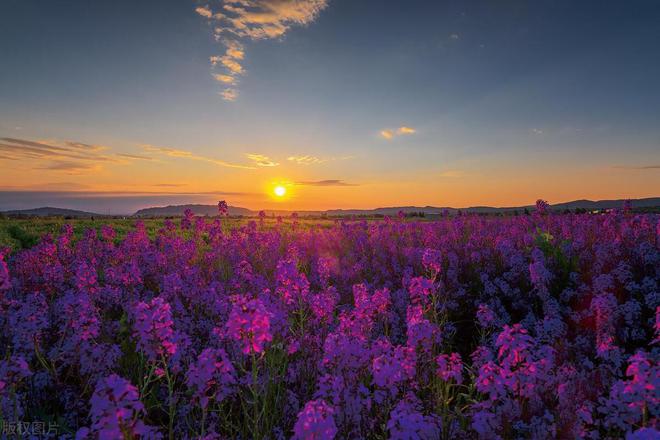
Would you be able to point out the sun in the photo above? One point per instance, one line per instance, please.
(279, 191)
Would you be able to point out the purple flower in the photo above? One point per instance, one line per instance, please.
(393, 367)
(631, 399)
(249, 324)
(485, 315)
(542, 206)
(223, 208)
(315, 422)
(212, 376)
(432, 260)
(407, 422)
(420, 331)
(450, 367)
(153, 329)
(116, 411)
(644, 434)
(5, 280)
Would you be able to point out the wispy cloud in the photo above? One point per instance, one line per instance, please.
(229, 94)
(452, 173)
(389, 133)
(134, 156)
(67, 156)
(638, 167)
(226, 79)
(173, 152)
(261, 160)
(204, 11)
(330, 182)
(314, 160)
(69, 167)
(306, 160)
(237, 20)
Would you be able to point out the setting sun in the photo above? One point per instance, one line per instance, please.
(279, 191)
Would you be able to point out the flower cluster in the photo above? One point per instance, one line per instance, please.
(531, 326)
(154, 329)
(315, 422)
(212, 376)
(249, 324)
(116, 412)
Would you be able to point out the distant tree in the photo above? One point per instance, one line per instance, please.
(526, 211)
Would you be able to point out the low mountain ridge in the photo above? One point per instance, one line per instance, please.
(212, 210)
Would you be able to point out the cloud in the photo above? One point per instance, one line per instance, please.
(306, 160)
(134, 156)
(261, 160)
(226, 79)
(313, 160)
(405, 130)
(69, 167)
(638, 167)
(233, 66)
(54, 155)
(26, 149)
(229, 94)
(454, 37)
(204, 11)
(537, 131)
(239, 20)
(389, 133)
(330, 182)
(452, 173)
(173, 152)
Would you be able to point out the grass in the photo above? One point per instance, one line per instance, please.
(23, 233)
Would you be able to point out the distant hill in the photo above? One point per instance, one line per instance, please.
(48, 211)
(178, 210)
(212, 210)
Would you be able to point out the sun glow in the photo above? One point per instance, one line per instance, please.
(279, 191)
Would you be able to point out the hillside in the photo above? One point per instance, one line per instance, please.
(178, 210)
(48, 211)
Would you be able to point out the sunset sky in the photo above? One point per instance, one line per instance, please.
(115, 105)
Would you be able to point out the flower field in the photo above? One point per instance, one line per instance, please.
(539, 326)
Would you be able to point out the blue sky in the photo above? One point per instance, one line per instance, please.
(507, 101)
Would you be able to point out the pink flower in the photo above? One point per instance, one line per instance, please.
(450, 367)
(153, 329)
(212, 376)
(315, 422)
(249, 324)
(116, 411)
(223, 208)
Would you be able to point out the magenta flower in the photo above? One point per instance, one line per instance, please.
(116, 411)
(407, 422)
(485, 315)
(315, 422)
(432, 260)
(542, 206)
(212, 376)
(5, 280)
(450, 367)
(249, 324)
(393, 367)
(223, 208)
(153, 329)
